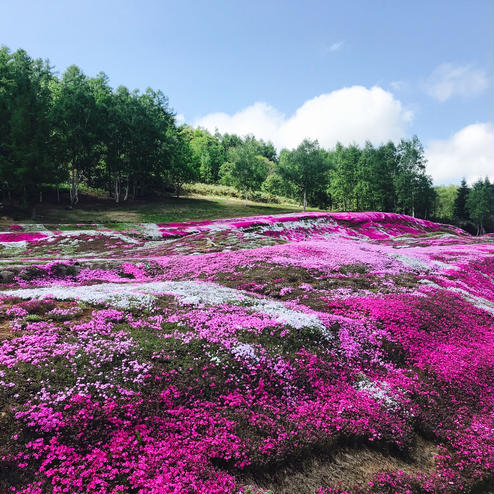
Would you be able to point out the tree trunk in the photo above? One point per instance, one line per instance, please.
(305, 200)
(109, 185)
(126, 195)
(74, 187)
(58, 193)
(246, 198)
(117, 189)
(33, 212)
(40, 196)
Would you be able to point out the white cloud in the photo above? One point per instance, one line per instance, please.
(336, 46)
(259, 119)
(353, 114)
(449, 80)
(399, 85)
(180, 118)
(469, 153)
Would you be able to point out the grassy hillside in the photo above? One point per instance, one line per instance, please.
(96, 209)
(316, 353)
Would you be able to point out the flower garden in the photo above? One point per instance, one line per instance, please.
(323, 353)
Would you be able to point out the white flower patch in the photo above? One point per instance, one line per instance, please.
(419, 265)
(14, 246)
(126, 295)
(151, 230)
(214, 227)
(480, 302)
(379, 391)
(411, 262)
(95, 233)
(115, 294)
(244, 351)
(288, 225)
(445, 235)
(35, 227)
(153, 244)
(486, 276)
(445, 266)
(197, 293)
(297, 320)
(299, 226)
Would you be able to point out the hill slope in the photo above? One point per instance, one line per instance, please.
(315, 352)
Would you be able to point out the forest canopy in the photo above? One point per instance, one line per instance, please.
(61, 132)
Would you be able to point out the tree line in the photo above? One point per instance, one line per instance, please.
(471, 208)
(63, 131)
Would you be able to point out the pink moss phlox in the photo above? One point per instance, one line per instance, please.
(384, 328)
(19, 237)
(16, 228)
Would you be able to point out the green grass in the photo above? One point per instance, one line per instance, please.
(202, 208)
(93, 209)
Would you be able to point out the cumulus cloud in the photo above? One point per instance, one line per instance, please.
(259, 119)
(469, 153)
(353, 114)
(449, 80)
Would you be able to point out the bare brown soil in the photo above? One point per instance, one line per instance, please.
(5, 329)
(343, 469)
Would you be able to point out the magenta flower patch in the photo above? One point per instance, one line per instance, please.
(214, 357)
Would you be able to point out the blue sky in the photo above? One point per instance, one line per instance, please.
(284, 70)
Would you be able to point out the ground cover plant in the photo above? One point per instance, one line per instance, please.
(310, 352)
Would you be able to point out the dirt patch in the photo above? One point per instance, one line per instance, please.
(123, 216)
(5, 330)
(343, 469)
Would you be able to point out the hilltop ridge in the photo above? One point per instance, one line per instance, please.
(297, 353)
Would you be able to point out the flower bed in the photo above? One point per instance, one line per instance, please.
(228, 351)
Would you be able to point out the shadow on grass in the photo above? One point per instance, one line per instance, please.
(98, 210)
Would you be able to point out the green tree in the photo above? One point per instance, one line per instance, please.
(182, 168)
(425, 196)
(268, 150)
(305, 168)
(480, 205)
(26, 147)
(382, 173)
(410, 179)
(208, 154)
(446, 197)
(228, 141)
(227, 173)
(77, 127)
(459, 208)
(275, 185)
(366, 190)
(249, 169)
(344, 176)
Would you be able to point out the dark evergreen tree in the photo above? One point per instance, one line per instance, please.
(480, 205)
(459, 208)
(26, 146)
